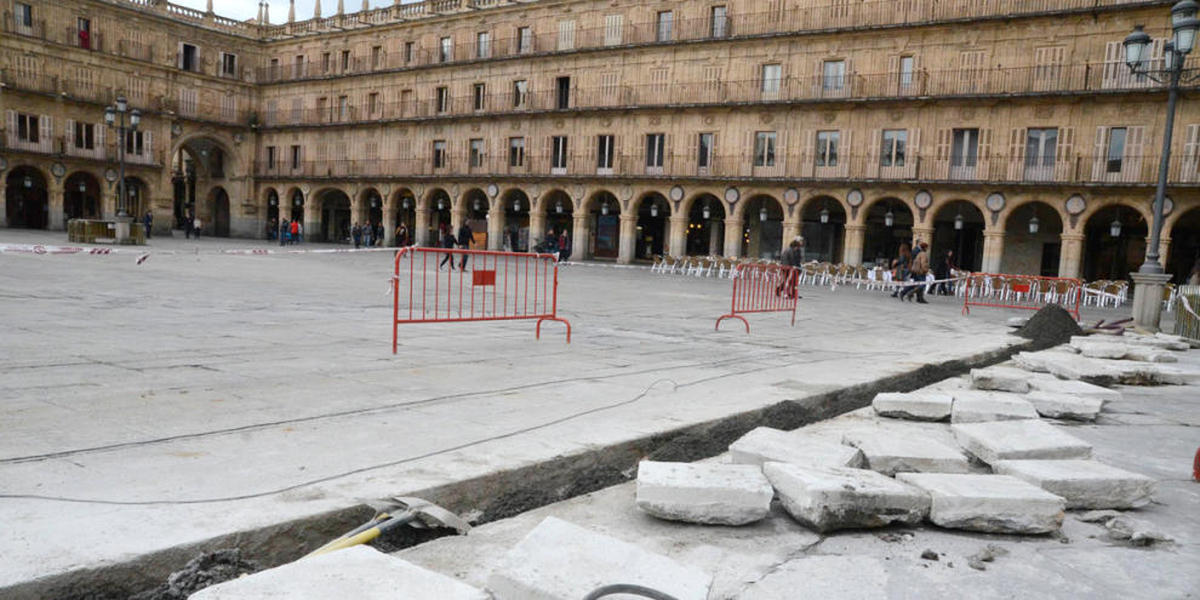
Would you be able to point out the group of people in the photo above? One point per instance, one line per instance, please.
(369, 235)
(289, 232)
(191, 225)
(559, 244)
(449, 241)
(914, 265)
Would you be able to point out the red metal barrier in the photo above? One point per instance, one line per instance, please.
(761, 288)
(502, 286)
(1027, 292)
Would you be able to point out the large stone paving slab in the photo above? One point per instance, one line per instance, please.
(976, 406)
(711, 493)
(1103, 371)
(839, 498)
(988, 503)
(1083, 483)
(562, 561)
(1054, 385)
(766, 444)
(1016, 440)
(920, 405)
(1001, 379)
(359, 572)
(895, 452)
(1065, 406)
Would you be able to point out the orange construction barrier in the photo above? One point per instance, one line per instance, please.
(760, 288)
(430, 287)
(1028, 292)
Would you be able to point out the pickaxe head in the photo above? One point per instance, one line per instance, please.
(427, 514)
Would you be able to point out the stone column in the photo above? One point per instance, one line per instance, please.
(55, 203)
(1070, 259)
(1164, 249)
(1147, 299)
(497, 219)
(537, 226)
(581, 243)
(3, 204)
(357, 211)
(312, 221)
(626, 250)
(458, 214)
(993, 251)
(678, 236)
(390, 211)
(852, 249)
(924, 233)
(791, 229)
(733, 237)
(421, 226)
(714, 237)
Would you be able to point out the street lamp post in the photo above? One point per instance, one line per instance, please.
(114, 117)
(1151, 277)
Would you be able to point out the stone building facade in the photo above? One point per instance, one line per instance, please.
(1007, 131)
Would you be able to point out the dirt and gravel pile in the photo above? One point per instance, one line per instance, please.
(1050, 326)
(200, 572)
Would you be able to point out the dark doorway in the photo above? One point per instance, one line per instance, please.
(28, 204)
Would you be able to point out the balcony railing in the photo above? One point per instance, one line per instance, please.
(835, 15)
(462, 101)
(1132, 170)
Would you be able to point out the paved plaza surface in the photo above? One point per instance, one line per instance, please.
(197, 394)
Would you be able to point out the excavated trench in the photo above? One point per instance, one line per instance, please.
(173, 574)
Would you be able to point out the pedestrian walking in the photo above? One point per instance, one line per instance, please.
(148, 222)
(187, 227)
(920, 268)
(448, 242)
(298, 228)
(197, 226)
(464, 242)
(284, 231)
(294, 232)
(900, 267)
(564, 245)
(356, 233)
(402, 236)
(793, 256)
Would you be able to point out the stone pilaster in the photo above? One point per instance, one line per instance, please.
(678, 237)
(626, 250)
(581, 241)
(993, 251)
(1070, 260)
(55, 203)
(852, 251)
(733, 237)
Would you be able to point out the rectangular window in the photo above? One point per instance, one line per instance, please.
(24, 14)
(85, 136)
(345, 60)
(719, 21)
(83, 32)
(483, 44)
(654, 150)
(295, 157)
(833, 74)
(705, 147)
(476, 153)
(613, 26)
(564, 92)
(442, 98)
(271, 158)
(664, 22)
(558, 156)
(566, 35)
(27, 128)
(516, 152)
(480, 93)
(298, 66)
(770, 78)
(764, 149)
(439, 154)
(343, 108)
(323, 108)
(906, 71)
(1040, 147)
(1114, 157)
(376, 57)
(326, 62)
(134, 143)
(373, 103)
(520, 93)
(604, 153)
(188, 59)
(895, 146)
(275, 72)
(228, 64)
(964, 153)
(445, 49)
(408, 52)
(524, 40)
(827, 148)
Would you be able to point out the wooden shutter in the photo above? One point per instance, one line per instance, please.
(808, 157)
(1016, 154)
(848, 81)
(1131, 169)
(668, 153)
(70, 135)
(1064, 161)
(148, 146)
(692, 161)
(942, 158)
(10, 117)
(1190, 147)
(913, 155)
(46, 127)
(893, 78)
(1098, 154)
(874, 153)
(985, 154)
(844, 153)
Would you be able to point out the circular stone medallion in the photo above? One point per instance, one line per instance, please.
(1076, 205)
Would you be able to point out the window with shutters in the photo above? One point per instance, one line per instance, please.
(442, 99)
(558, 154)
(1041, 149)
(613, 29)
(272, 116)
(475, 153)
(229, 108)
(297, 109)
(712, 81)
(520, 93)
(23, 17)
(827, 148)
(295, 157)
(483, 44)
(524, 40)
(479, 93)
(298, 66)
(1114, 154)
(718, 21)
(660, 85)
(1048, 67)
(326, 62)
(228, 64)
(376, 57)
(604, 154)
(135, 89)
(610, 86)
(563, 95)
(964, 153)
(655, 152)
(343, 108)
(445, 49)
(27, 67)
(135, 143)
(894, 149)
(323, 108)
(764, 148)
(345, 61)
(664, 24)
(189, 59)
(189, 102)
(373, 104)
(407, 105)
(410, 49)
(907, 68)
(85, 136)
(971, 71)
(566, 35)
(516, 152)
(833, 75)
(705, 150)
(771, 74)
(439, 154)
(271, 157)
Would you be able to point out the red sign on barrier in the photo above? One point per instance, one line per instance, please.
(430, 287)
(1027, 292)
(760, 288)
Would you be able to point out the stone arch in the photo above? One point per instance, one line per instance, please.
(595, 200)
(1184, 252)
(762, 217)
(705, 229)
(27, 194)
(1113, 257)
(1098, 204)
(137, 196)
(1033, 238)
(517, 225)
(294, 201)
(823, 221)
(218, 212)
(881, 241)
(331, 208)
(958, 225)
(401, 218)
(273, 206)
(603, 212)
(653, 226)
(83, 195)
(711, 194)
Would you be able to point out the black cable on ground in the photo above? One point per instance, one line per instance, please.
(628, 588)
